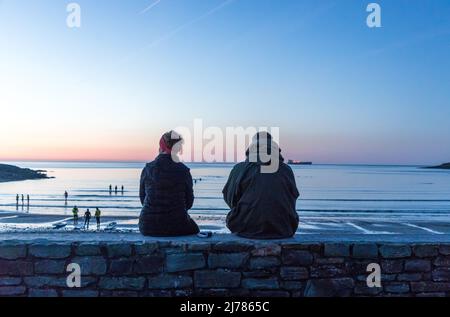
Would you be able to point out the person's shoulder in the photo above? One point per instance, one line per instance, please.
(183, 167)
(286, 168)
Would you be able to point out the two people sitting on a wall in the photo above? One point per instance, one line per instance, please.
(261, 193)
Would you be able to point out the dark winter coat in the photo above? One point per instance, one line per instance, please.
(166, 193)
(262, 205)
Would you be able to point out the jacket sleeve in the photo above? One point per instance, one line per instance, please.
(142, 187)
(230, 189)
(189, 191)
(293, 184)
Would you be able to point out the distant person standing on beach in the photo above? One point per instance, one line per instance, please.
(28, 200)
(75, 215)
(115, 189)
(66, 195)
(166, 193)
(123, 189)
(110, 189)
(87, 219)
(262, 204)
(17, 199)
(98, 214)
(23, 200)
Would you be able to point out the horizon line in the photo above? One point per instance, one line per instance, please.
(192, 162)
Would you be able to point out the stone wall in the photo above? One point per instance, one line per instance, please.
(230, 268)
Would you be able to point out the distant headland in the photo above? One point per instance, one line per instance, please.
(445, 166)
(10, 173)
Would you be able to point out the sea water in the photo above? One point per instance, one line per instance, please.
(330, 192)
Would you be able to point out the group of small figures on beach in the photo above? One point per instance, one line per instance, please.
(23, 200)
(87, 217)
(116, 189)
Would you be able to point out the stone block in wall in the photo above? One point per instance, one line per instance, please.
(79, 293)
(12, 252)
(441, 274)
(334, 287)
(437, 294)
(365, 251)
(409, 277)
(268, 293)
(146, 248)
(327, 271)
(227, 260)
(260, 283)
(296, 246)
(261, 273)
(118, 250)
(149, 264)
(16, 268)
(396, 287)
(50, 251)
(123, 266)
(217, 279)
(264, 262)
(417, 265)
(50, 267)
(52, 281)
(444, 249)
(267, 250)
(180, 262)
(158, 293)
(88, 249)
(12, 290)
(395, 251)
(297, 257)
(91, 265)
(293, 285)
(42, 293)
(442, 261)
(324, 261)
(336, 250)
(10, 281)
(428, 286)
(392, 266)
(199, 247)
(294, 273)
(183, 293)
(170, 281)
(126, 283)
(424, 251)
(233, 246)
(356, 267)
(364, 290)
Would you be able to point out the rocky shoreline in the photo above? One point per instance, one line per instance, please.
(445, 166)
(10, 173)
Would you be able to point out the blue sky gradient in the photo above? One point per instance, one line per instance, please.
(339, 91)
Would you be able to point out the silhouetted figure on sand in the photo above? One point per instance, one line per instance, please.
(28, 200)
(87, 219)
(98, 215)
(66, 196)
(23, 200)
(116, 190)
(75, 216)
(166, 193)
(123, 190)
(110, 189)
(262, 204)
(17, 199)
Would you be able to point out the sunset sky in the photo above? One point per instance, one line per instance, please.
(339, 91)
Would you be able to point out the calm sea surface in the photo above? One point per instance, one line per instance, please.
(327, 191)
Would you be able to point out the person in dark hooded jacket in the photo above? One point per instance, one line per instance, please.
(166, 193)
(262, 198)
